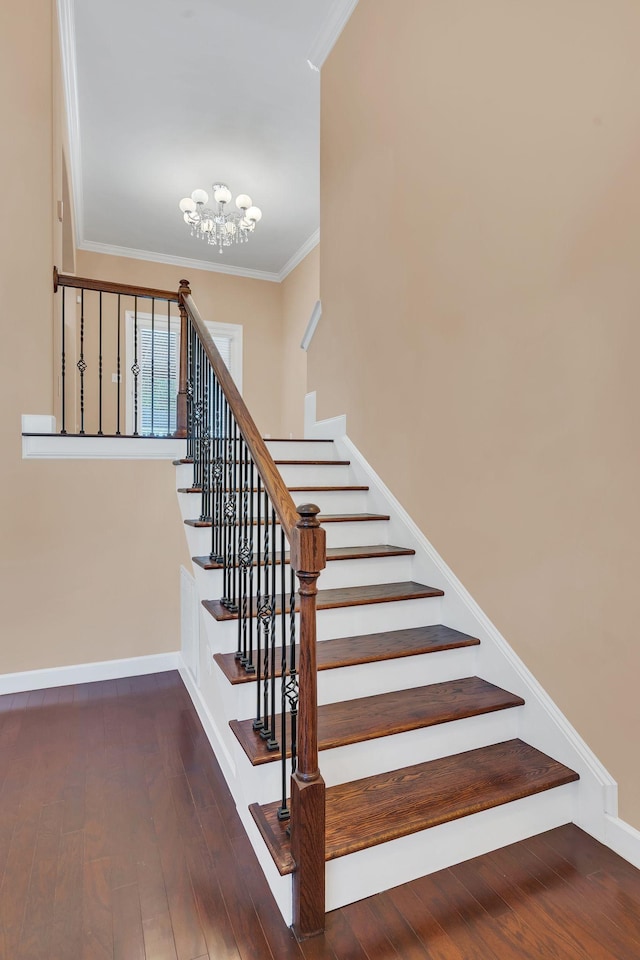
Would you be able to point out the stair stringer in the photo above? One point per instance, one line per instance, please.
(542, 723)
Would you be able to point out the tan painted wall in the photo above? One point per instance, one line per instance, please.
(481, 188)
(87, 571)
(300, 291)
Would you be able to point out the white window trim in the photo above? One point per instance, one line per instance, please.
(231, 330)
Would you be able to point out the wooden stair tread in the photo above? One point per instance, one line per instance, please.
(315, 489)
(369, 648)
(294, 440)
(385, 714)
(364, 813)
(280, 462)
(322, 517)
(333, 553)
(343, 597)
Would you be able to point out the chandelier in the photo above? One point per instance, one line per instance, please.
(221, 226)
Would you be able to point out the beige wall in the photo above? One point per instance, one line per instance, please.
(87, 570)
(481, 186)
(90, 549)
(300, 292)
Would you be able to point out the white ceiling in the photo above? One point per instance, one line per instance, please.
(168, 95)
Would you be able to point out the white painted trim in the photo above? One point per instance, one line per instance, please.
(186, 263)
(67, 29)
(89, 672)
(38, 423)
(312, 325)
(213, 266)
(58, 447)
(309, 244)
(335, 22)
(332, 429)
(211, 728)
(623, 839)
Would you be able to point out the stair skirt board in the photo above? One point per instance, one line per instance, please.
(537, 722)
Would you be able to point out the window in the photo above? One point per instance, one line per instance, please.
(158, 358)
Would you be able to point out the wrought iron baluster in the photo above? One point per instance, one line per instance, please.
(250, 665)
(244, 560)
(265, 614)
(63, 365)
(235, 530)
(205, 498)
(272, 742)
(169, 369)
(283, 811)
(258, 723)
(191, 334)
(135, 369)
(81, 364)
(100, 364)
(118, 373)
(217, 469)
(153, 359)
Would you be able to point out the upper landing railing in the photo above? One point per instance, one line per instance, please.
(137, 361)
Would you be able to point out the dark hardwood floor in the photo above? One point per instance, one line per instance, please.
(119, 839)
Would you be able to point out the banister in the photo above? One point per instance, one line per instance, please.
(271, 478)
(126, 289)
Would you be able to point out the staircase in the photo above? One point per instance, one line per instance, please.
(423, 752)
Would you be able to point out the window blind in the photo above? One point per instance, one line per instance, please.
(158, 357)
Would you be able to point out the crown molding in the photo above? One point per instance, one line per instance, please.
(309, 244)
(67, 31)
(333, 26)
(131, 253)
(189, 264)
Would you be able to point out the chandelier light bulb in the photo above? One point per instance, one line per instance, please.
(243, 202)
(254, 214)
(221, 193)
(187, 205)
(200, 196)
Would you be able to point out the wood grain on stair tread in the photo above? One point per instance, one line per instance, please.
(333, 553)
(343, 597)
(385, 714)
(368, 648)
(364, 813)
(322, 517)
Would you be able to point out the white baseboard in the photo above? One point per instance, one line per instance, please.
(623, 839)
(89, 672)
(210, 727)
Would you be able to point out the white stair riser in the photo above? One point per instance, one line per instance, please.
(306, 475)
(342, 621)
(329, 501)
(301, 450)
(338, 573)
(371, 871)
(368, 679)
(357, 760)
(345, 534)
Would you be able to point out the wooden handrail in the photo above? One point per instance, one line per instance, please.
(127, 289)
(275, 486)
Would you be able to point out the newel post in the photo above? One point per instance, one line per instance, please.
(308, 558)
(184, 290)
